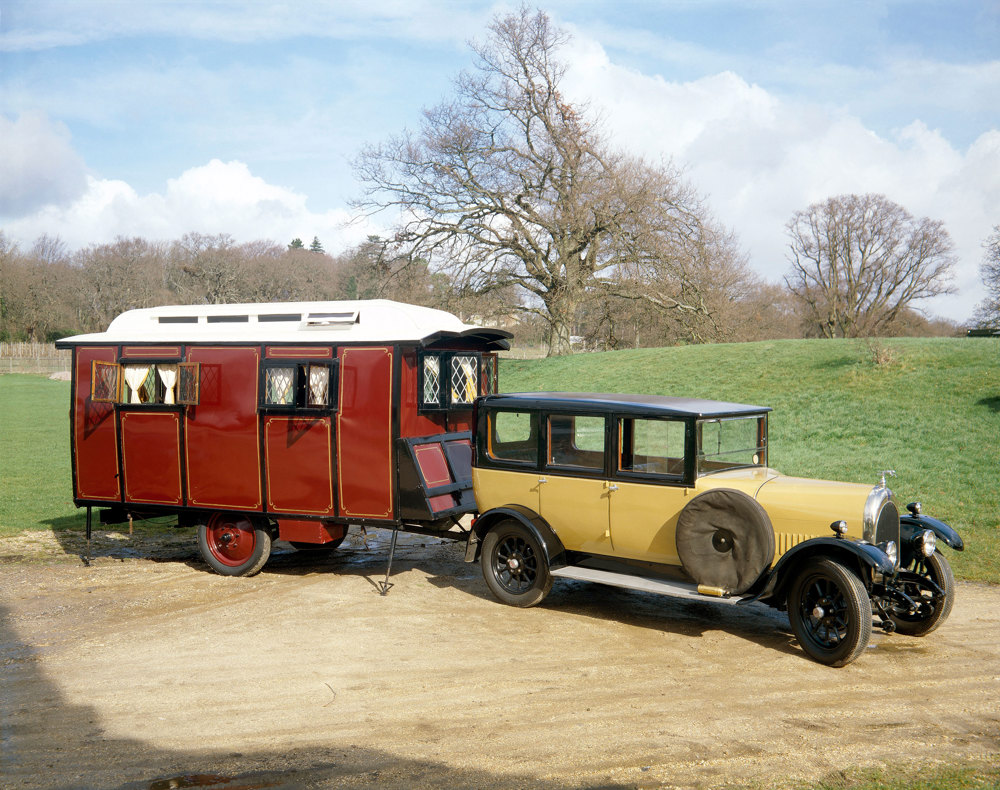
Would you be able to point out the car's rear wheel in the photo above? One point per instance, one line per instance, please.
(830, 612)
(514, 565)
(934, 607)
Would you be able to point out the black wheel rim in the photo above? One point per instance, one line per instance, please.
(515, 565)
(927, 600)
(824, 612)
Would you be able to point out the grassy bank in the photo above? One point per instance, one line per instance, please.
(932, 413)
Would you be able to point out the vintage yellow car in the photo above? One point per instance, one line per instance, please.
(675, 496)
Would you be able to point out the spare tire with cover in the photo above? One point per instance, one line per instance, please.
(725, 539)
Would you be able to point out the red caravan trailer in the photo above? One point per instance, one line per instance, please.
(286, 420)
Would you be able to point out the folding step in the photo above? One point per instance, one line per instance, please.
(643, 584)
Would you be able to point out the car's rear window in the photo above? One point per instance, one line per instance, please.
(513, 436)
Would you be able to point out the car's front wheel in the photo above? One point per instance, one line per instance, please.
(933, 607)
(830, 612)
(514, 565)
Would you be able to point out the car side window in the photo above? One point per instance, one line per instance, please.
(513, 436)
(654, 447)
(576, 440)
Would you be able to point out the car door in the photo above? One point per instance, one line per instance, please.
(574, 492)
(648, 490)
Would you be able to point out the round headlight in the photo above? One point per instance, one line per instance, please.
(889, 547)
(926, 542)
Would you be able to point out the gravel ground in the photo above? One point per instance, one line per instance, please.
(145, 670)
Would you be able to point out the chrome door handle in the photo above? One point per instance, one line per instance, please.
(542, 480)
(612, 488)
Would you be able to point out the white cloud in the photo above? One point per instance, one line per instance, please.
(220, 197)
(760, 157)
(37, 165)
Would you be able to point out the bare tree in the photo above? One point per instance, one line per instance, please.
(126, 274)
(858, 260)
(988, 312)
(509, 184)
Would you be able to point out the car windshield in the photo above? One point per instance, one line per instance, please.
(731, 443)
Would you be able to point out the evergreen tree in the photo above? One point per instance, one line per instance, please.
(316, 246)
(296, 244)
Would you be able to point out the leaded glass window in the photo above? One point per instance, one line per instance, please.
(278, 386)
(431, 394)
(104, 381)
(319, 385)
(464, 378)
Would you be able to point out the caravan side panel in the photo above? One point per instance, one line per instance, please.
(95, 440)
(222, 442)
(365, 470)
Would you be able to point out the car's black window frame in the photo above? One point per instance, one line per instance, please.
(486, 458)
(631, 475)
(568, 469)
(763, 443)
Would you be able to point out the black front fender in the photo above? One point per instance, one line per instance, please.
(859, 557)
(555, 553)
(909, 526)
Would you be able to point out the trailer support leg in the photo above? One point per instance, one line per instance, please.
(384, 586)
(87, 559)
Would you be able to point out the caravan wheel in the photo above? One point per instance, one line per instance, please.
(233, 545)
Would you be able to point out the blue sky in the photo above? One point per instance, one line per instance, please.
(159, 118)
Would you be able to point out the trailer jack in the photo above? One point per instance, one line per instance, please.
(385, 585)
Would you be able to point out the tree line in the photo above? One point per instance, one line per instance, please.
(510, 205)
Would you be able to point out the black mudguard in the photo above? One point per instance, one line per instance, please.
(555, 553)
(909, 526)
(855, 555)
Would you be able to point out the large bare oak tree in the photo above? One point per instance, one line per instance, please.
(508, 184)
(859, 261)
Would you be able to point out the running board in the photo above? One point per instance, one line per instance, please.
(643, 584)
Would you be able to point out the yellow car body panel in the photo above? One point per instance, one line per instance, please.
(638, 520)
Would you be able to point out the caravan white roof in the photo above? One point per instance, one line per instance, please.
(364, 321)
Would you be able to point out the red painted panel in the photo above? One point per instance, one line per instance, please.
(412, 422)
(434, 468)
(151, 352)
(309, 531)
(364, 433)
(151, 456)
(298, 352)
(222, 442)
(95, 443)
(299, 465)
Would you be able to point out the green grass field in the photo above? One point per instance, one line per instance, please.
(933, 415)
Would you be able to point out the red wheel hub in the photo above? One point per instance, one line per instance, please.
(231, 541)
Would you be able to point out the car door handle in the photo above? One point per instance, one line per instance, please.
(542, 480)
(612, 488)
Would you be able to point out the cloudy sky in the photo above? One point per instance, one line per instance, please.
(159, 118)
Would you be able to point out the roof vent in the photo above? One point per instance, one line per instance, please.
(344, 319)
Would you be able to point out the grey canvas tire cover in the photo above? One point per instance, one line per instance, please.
(725, 539)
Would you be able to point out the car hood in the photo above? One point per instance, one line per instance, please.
(807, 507)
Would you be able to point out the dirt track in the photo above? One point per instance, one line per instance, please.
(147, 671)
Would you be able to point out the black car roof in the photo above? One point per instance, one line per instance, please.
(656, 405)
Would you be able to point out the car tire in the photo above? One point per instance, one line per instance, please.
(233, 545)
(934, 609)
(725, 539)
(830, 612)
(514, 565)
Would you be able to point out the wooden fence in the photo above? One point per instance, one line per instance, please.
(33, 358)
